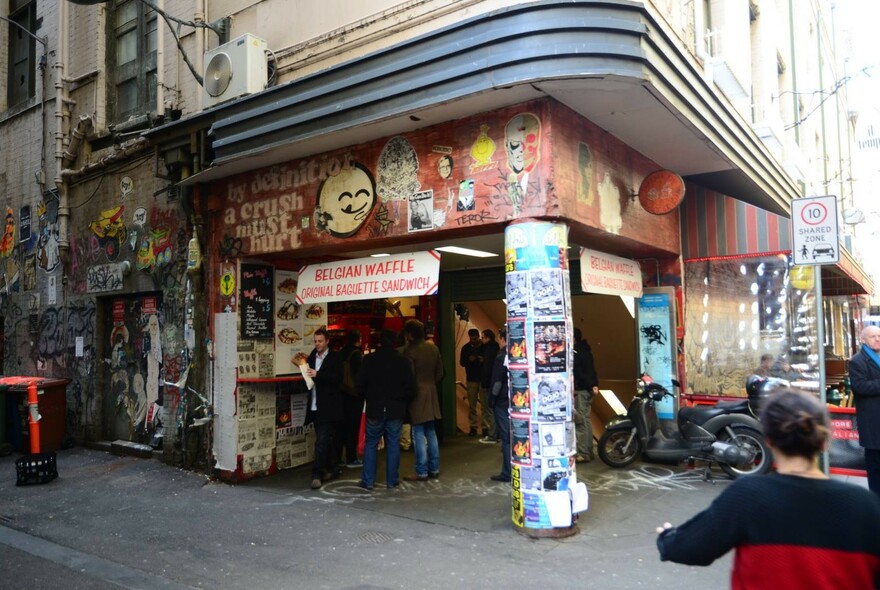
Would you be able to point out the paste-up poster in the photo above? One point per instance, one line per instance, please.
(552, 398)
(550, 348)
(547, 293)
(520, 432)
(517, 291)
(520, 398)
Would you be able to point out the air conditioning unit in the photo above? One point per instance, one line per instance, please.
(235, 69)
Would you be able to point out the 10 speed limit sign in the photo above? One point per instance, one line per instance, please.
(814, 238)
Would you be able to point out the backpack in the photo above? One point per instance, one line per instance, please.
(348, 386)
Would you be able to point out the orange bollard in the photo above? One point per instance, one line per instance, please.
(34, 417)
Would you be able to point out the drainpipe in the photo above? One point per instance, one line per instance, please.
(60, 114)
(83, 127)
(123, 152)
(160, 62)
(201, 44)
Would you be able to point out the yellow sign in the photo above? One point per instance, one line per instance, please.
(802, 277)
(227, 284)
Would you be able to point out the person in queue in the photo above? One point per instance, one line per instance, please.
(387, 383)
(425, 408)
(499, 401)
(793, 529)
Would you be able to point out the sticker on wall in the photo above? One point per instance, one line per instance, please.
(140, 217)
(421, 207)
(398, 171)
(345, 200)
(126, 185)
(465, 195)
(227, 284)
(482, 150)
(444, 166)
(29, 270)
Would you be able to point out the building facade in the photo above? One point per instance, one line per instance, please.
(150, 176)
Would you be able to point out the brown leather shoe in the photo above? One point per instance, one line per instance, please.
(415, 477)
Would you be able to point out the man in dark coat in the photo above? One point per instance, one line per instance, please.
(471, 358)
(325, 404)
(586, 385)
(352, 404)
(499, 401)
(864, 376)
(490, 351)
(387, 383)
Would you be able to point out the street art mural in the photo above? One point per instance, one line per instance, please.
(345, 200)
(398, 173)
(110, 231)
(7, 241)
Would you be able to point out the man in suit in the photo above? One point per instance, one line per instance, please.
(864, 376)
(325, 405)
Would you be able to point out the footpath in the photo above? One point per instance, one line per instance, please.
(111, 521)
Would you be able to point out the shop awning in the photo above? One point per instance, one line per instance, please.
(845, 278)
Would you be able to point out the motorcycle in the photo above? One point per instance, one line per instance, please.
(724, 434)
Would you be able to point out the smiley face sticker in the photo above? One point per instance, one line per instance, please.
(345, 201)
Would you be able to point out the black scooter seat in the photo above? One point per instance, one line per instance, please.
(701, 415)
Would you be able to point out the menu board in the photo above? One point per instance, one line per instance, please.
(256, 301)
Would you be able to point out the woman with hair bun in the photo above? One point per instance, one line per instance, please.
(793, 529)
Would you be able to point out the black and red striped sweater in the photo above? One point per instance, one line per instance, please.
(789, 532)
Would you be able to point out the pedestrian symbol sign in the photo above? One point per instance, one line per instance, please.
(814, 232)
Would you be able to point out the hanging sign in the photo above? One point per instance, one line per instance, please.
(610, 275)
(400, 275)
(661, 192)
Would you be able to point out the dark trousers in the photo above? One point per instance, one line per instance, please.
(872, 464)
(324, 433)
(502, 425)
(347, 439)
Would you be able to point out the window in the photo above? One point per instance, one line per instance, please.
(134, 34)
(22, 51)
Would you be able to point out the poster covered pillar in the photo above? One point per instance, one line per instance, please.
(546, 494)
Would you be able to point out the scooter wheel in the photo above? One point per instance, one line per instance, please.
(748, 437)
(614, 450)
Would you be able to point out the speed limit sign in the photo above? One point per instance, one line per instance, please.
(814, 232)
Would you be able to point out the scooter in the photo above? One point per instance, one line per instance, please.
(722, 434)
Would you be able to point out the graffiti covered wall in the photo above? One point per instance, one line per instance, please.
(127, 236)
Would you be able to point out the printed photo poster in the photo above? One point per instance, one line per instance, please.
(551, 354)
(520, 438)
(421, 211)
(536, 514)
(552, 398)
(517, 348)
(517, 291)
(520, 397)
(283, 415)
(288, 322)
(548, 298)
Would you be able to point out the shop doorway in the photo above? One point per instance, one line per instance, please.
(607, 323)
(130, 344)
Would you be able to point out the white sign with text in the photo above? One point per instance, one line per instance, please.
(610, 275)
(814, 235)
(399, 275)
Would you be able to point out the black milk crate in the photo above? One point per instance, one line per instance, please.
(36, 468)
